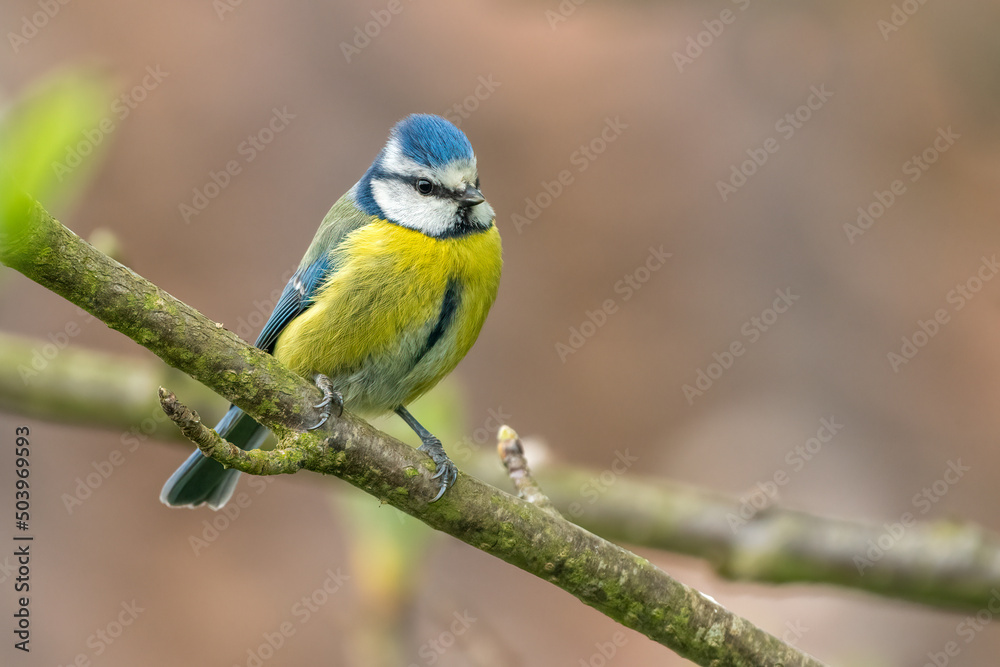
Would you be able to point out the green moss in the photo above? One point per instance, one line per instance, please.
(153, 301)
(448, 509)
(44, 255)
(268, 407)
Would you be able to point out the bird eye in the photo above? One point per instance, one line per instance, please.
(424, 186)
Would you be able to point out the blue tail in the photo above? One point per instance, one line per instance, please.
(203, 480)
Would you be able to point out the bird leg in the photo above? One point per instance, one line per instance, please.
(431, 446)
(330, 399)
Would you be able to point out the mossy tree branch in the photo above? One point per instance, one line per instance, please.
(945, 563)
(939, 563)
(53, 379)
(618, 583)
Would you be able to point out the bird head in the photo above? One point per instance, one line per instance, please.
(426, 179)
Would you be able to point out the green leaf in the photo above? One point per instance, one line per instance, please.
(51, 138)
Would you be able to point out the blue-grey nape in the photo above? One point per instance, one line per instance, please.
(431, 140)
(363, 195)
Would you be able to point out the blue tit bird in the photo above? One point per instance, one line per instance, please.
(389, 297)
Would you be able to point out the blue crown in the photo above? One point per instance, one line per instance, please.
(431, 140)
(428, 140)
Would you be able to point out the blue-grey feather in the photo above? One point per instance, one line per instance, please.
(363, 196)
(296, 297)
(431, 140)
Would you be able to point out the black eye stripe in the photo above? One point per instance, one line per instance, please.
(437, 189)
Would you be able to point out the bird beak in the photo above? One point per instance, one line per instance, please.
(471, 196)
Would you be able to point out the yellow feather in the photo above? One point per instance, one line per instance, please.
(371, 320)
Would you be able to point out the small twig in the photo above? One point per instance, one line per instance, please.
(212, 445)
(190, 423)
(512, 455)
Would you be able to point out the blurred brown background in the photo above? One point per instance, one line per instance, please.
(550, 88)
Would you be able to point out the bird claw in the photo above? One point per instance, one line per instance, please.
(446, 470)
(331, 398)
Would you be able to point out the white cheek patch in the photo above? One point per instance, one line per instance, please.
(402, 204)
(434, 216)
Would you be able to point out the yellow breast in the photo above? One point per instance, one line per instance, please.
(370, 326)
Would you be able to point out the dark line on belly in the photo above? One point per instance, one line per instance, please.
(449, 306)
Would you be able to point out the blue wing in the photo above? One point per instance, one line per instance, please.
(295, 298)
(203, 480)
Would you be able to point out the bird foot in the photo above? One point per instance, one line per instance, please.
(446, 470)
(331, 398)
